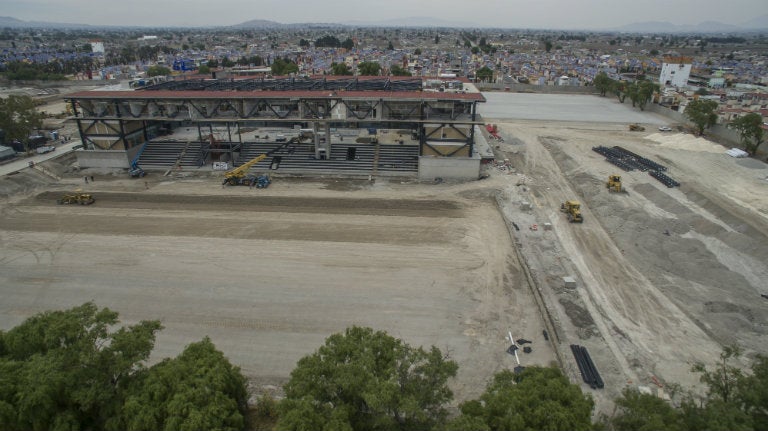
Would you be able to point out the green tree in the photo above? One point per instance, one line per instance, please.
(547, 45)
(417, 51)
(603, 83)
(198, 390)
(644, 412)
(284, 67)
(620, 90)
(484, 74)
(437, 39)
(158, 71)
(398, 70)
(369, 68)
(361, 379)
(19, 117)
(751, 132)
(340, 69)
(536, 399)
(390, 47)
(213, 64)
(348, 43)
(65, 369)
(641, 92)
(226, 62)
(753, 393)
(204, 69)
(701, 113)
(304, 43)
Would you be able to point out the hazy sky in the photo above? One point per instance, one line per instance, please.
(555, 14)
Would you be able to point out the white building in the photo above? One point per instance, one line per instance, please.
(97, 47)
(675, 71)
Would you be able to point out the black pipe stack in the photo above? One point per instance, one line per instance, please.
(587, 367)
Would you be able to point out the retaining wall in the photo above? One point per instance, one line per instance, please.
(102, 159)
(449, 167)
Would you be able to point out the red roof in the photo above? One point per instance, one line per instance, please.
(258, 94)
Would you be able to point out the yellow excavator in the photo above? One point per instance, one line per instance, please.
(614, 184)
(573, 210)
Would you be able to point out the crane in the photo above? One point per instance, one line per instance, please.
(240, 176)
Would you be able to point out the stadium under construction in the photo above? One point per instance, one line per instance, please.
(333, 125)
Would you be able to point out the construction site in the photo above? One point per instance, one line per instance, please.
(647, 273)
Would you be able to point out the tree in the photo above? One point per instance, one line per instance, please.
(390, 47)
(620, 90)
(369, 68)
(753, 393)
(535, 399)
(644, 412)
(327, 42)
(751, 132)
(361, 379)
(602, 83)
(437, 39)
(304, 43)
(204, 69)
(701, 113)
(641, 92)
(284, 67)
(213, 64)
(65, 369)
(398, 70)
(158, 71)
(340, 69)
(348, 43)
(547, 45)
(199, 389)
(226, 62)
(417, 51)
(484, 74)
(19, 117)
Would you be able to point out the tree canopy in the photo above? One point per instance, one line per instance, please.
(398, 70)
(74, 369)
(369, 68)
(158, 71)
(751, 132)
(701, 113)
(340, 69)
(283, 67)
(361, 379)
(18, 117)
(484, 74)
(536, 399)
(603, 83)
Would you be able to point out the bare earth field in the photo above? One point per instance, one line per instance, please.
(665, 277)
(269, 274)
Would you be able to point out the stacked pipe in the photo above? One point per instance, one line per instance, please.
(586, 367)
(664, 179)
(650, 164)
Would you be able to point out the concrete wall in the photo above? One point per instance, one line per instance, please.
(102, 159)
(448, 167)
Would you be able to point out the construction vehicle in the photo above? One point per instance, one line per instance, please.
(135, 170)
(614, 184)
(76, 198)
(573, 210)
(240, 175)
(636, 128)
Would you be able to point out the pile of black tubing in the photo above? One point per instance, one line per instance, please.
(629, 161)
(664, 179)
(587, 367)
(648, 163)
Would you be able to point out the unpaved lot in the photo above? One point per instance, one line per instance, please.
(269, 274)
(665, 276)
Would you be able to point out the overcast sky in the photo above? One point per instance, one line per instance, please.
(551, 14)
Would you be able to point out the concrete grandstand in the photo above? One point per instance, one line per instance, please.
(334, 125)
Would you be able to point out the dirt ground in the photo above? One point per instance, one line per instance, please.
(664, 276)
(269, 274)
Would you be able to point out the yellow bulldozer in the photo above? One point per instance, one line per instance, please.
(76, 198)
(614, 184)
(573, 210)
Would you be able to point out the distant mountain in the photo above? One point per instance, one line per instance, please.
(7, 21)
(413, 21)
(259, 23)
(760, 23)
